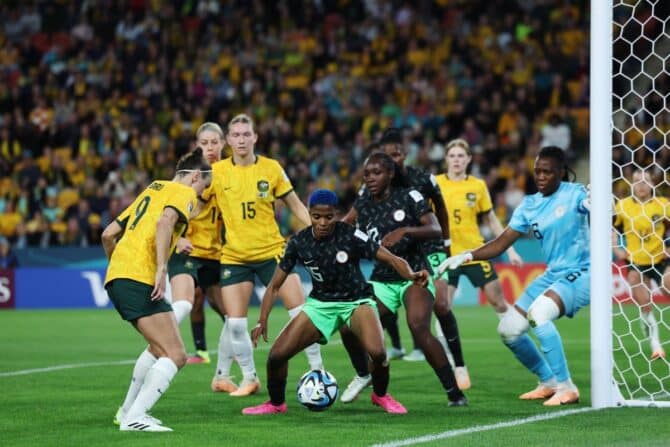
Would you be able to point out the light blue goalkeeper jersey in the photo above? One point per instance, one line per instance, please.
(560, 223)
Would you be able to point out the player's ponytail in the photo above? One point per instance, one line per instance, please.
(558, 154)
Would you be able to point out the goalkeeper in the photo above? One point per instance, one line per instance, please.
(557, 216)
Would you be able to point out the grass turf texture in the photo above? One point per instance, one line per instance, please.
(75, 406)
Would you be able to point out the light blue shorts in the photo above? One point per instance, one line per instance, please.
(574, 288)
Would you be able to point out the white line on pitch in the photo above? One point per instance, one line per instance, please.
(23, 372)
(481, 428)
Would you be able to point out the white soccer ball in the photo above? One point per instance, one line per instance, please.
(317, 390)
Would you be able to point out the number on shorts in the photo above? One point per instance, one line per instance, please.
(434, 260)
(140, 210)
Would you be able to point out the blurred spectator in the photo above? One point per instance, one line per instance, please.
(8, 259)
(556, 133)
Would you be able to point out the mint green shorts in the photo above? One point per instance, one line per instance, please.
(392, 293)
(434, 260)
(328, 316)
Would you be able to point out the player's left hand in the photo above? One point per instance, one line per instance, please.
(514, 257)
(261, 328)
(393, 237)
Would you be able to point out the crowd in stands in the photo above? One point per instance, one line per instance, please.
(98, 97)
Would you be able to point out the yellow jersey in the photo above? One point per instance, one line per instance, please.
(135, 254)
(644, 225)
(465, 200)
(204, 231)
(245, 196)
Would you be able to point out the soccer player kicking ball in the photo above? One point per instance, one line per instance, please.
(331, 253)
(146, 232)
(557, 216)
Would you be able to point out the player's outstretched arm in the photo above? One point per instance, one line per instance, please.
(268, 300)
(492, 221)
(109, 236)
(298, 208)
(350, 217)
(402, 267)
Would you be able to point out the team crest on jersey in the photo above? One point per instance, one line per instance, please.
(560, 211)
(470, 199)
(399, 215)
(263, 188)
(188, 264)
(226, 274)
(341, 257)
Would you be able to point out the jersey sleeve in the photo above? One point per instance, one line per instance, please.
(290, 257)
(484, 204)
(581, 197)
(283, 185)
(518, 222)
(418, 204)
(618, 219)
(183, 203)
(367, 247)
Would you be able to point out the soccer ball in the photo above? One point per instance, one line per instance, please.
(317, 390)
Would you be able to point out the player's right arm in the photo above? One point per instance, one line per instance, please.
(402, 267)
(164, 230)
(109, 236)
(492, 221)
(268, 300)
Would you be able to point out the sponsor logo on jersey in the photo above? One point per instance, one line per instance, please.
(341, 257)
(263, 188)
(399, 215)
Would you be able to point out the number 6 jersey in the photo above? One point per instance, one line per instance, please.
(135, 254)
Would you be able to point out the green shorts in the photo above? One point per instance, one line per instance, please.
(237, 273)
(391, 294)
(479, 274)
(328, 316)
(205, 272)
(434, 260)
(132, 299)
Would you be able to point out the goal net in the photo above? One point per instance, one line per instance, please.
(639, 39)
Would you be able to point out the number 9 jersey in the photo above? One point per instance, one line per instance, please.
(135, 254)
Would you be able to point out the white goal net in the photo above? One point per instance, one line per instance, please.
(640, 179)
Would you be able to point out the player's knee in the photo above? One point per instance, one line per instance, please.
(377, 355)
(238, 327)
(512, 326)
(441, 307)
(178, 356)
(542, 310)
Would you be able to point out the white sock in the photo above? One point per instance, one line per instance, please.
(226, 356)
(181, 308)
(566, 385)
(242, 348)
(312, 351)
(142, 365)
(650, 320)
(155, 385)
(503, 313)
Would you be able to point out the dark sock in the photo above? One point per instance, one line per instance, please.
(446, 376)
(390, 323)
(380, 379)
(198, 330)
(450, 329)
(277, 390)
(359, 358)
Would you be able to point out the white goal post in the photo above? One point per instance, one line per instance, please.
(622, 373)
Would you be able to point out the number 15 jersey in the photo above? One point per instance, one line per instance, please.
(245, 196)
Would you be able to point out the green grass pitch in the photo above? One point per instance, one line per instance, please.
(74, 405)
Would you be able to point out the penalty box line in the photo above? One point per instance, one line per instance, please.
(481, 428)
